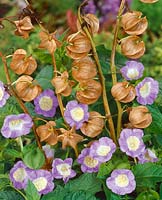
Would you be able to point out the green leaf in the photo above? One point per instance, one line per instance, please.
(86, 182)
(45, 76)
(156, 125)
(31, 108)
(34, 158)
(80, 195)
(110, 195)
(58, 192)
(105, 169)
(4, 182)
(10, 195)
(12, 152)
(147, 174)
(31, 191)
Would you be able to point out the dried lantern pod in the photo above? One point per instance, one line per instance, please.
(49, 41)
(123, 92)
(26, 88)
(21, 64)
(62, 84)
(78, 45)
(91, 21)
(132, 47)
(94, 126)
(24, 27)
(133, 23)
(140, 117)
(149, 1)
(89, 92)
(84, 69)
(47, 133)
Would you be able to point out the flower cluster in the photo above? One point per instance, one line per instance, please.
(42, 179)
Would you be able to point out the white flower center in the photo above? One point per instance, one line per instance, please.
(1, 94)
(77, 114)
(90, 162)
(46, 103)
(122, 180)
(103, 150)
(145, 89)
(40, 183)
(132, 73)
(20, 174)
(133, 143)
(64, 169)
(16, 124)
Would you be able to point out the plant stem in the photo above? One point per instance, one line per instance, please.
(21, 193)
(113, 66)
(102, 79)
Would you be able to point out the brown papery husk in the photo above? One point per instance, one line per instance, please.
(84, 69)
(140, 117)
(90, 91)
(94, 126)
(132, 47)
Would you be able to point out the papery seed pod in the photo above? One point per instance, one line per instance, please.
(133, 23)
(69, 138)
(47, 133)
(123, 92)
(91, 21)
(49, 41)
(78, 45)
(94, 126)
(140, 117)
(83, 69)
(132, 47)
(26, 88)
(62, 84)
(21, 64)
(149, 1)
(89, 92)
(24, 27)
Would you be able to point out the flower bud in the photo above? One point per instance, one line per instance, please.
(92, 23)
(133, 23)
(24, 26)
(83, 69)
(21, 64)
(27, 89)
(79, 45)
(132, 47)
(94, 126)
(123, 92)
(47, 133)
(89, 92)
(149, 1)
(49, 41)
(140, 117)
(62, 84)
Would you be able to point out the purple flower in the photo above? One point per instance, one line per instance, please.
(131, 142)
(76, 113)
(122, 181)
(42, 179)
(133, 70)
(147, 91)
(3, 95)
(103, 149)
(147, 156)
(16, 125)
(61, 169)
(88, 163)
(48, 151)
(46, 103)
(19, 175)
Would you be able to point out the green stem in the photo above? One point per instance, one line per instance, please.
(20, 143)
(113, 66)
(21, 193)
(102, 80)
